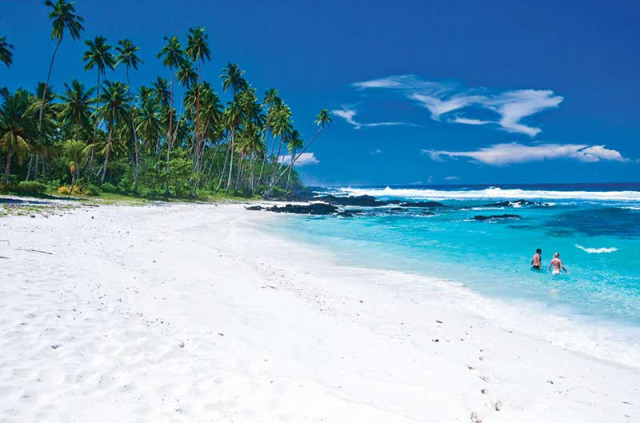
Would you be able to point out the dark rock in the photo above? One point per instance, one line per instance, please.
(496, 217)
(424, 204)
(428, 213)
(359, 200)
(254, 208)
(513, 203)
(314, 208)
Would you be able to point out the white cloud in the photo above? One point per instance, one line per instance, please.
(443, 98)
(304, 160)
(348, 115)
(502, 154)
(516, 105)
(469, 121)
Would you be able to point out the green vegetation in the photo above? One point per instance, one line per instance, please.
(155, 141)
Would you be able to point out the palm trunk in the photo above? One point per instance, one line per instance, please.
(106, 155)
(233, 134)
(169, 136)
(197, 152)
(135, 140)
(7, 166)
(46, 84)
(293, 161)
(224, 167)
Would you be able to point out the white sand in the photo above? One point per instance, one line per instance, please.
(188, 313)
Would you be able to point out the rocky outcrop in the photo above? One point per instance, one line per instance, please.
(313, 208)
(496, 217)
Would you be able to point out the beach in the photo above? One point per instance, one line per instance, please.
(195, 313)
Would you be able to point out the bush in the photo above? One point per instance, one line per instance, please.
(88, 190)
(107, 187)
(31, 187)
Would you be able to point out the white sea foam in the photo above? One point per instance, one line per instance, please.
(597, 250)
(493, 193)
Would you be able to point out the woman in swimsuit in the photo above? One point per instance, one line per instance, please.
(556, 263)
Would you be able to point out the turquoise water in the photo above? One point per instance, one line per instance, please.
(597, 234)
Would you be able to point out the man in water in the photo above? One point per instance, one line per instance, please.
(556, 263)
(536, 261)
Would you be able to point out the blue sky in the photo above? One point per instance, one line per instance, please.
(438, 91)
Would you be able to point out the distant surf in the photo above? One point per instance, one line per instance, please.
(492, 192)
(597, 250)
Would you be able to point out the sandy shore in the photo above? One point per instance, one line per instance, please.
(191, 313)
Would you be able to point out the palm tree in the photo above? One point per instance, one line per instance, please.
(76, 152)
(172, 56)
(127, 56)
(6, 55)
(113, 111)
(322, 120)
(17, 127)
(76, 105)
(98, 56)
(147, 120)
(197, 51)
(294, 143)
(64, 18)
(232, 77)
(160, 88)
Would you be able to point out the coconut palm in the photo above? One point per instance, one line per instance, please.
(172, 56)
(76, 105)
(76, 152)
(98, 56)
(64, 18)
(294, 143)
(147, 121)
(160, 88)
(198, 51)
(114, 111)
(6, 53)
(232, 77)
(127, 56)
(322, 121)
(17, 126)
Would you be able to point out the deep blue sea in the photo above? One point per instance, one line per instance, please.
(594, 227)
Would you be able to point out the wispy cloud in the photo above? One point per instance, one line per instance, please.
(503, 154)
(348, 114)
(451, 178)
(441, 99)
(375, 151)
(304, 160)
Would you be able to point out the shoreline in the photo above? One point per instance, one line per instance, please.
(269, 328)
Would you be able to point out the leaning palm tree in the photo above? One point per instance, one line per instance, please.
(17, 126)
(64, 18)
(114, 111)
(294, 143)
(127, 56)
(6, 53)
(322, 120)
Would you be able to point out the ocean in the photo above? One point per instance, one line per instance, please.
(594, 227)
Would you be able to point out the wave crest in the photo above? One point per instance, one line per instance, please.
(597, 250)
